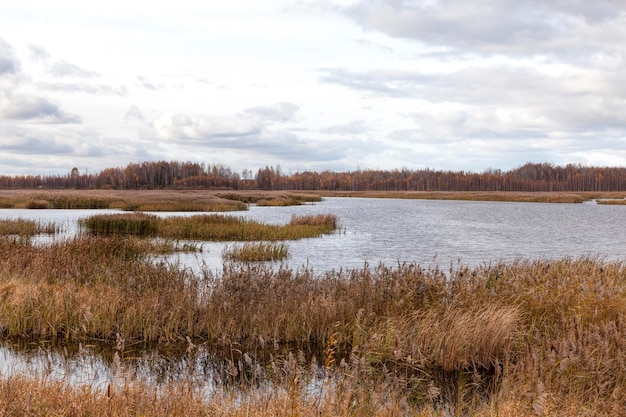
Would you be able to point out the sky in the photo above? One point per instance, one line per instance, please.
(319, 85)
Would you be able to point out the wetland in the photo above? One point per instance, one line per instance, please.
(403, 307)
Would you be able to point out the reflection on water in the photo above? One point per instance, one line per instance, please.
(99, 365)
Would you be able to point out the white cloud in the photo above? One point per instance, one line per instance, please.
(509, 26)
(8, 61)
(66, 69)
(315, 84)
(34, 109)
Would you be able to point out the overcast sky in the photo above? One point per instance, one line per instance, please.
(312, 84)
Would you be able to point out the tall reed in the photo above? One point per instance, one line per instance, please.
(26, 228)
(212, 227)
(137, 200)
(256, 252)
(138, 224)
(543, 337)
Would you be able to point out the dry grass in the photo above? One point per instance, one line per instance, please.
(93, 288)
(26, 228)
(270, 198)
(524, 338)
(615, 202)
(229, 228)
(136, 224)
(318, 220)
(213, 227)
(279, 202)
(24, 397)
(256, 252)
(137, 200)
(212, 200)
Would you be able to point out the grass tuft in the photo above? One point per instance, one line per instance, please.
(137, 224)
(257, 252)
(212, 227)
(26, 228)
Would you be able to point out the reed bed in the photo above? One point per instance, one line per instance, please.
(138, 200)
(217, 227)
(212, 227)
(257, 252)
(177, 206)
(53, 200)
(541, 337)
(318, 220)
(137, 224)
(270, 198)
(279, 202)
(39, 397)
(614, 202)
(26, 228)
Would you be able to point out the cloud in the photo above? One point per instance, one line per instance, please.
(256, 136)
(38, 53)
(353, 128)
(281, 112)
(32, 141)
(380, 83)
(134, 114)
(203, 127)
(487, 26)
(144, 82)
(9, 63)
(30, 108)
(66, 69)
(289, 149)
(499, 100)
(97, 89)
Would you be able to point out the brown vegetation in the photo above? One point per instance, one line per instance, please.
(212, 227)
(144, 200)
(150, 200)
(270, 198)
(26, 228)
(530, 337)
(215, 201)
(256, 252)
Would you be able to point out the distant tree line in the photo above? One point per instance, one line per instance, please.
(193, 175)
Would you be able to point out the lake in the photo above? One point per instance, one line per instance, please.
(427, 232)
(431, 233)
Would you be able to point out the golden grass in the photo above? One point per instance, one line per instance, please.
(257, 252)
(135, 200)
(136, 224)
(270, 198)
(536, 337)
(31, 397)
(615, 202)
(229, 228)
(212, 227)
(26, 228)
(279, 202)
(213, 200)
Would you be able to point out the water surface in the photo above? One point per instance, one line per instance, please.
(428, 232)
(372, 230)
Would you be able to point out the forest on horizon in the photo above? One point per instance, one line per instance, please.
(529, 177)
